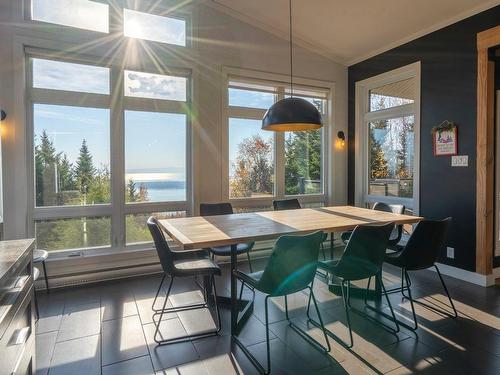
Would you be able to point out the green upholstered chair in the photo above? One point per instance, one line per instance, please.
(362, 259)
(290, 269)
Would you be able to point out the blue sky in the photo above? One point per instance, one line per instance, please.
(83, 14)
(57, 75)
(68, 126)
(250, 99)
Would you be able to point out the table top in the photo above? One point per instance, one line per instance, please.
(221, 230)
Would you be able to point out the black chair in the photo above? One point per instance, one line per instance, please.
(421, 252)
(362, 259)
(294, 204)
(396, 234)
(290, 269)
(182, 264)
(212, 209)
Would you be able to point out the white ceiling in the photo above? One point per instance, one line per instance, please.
(349, 31)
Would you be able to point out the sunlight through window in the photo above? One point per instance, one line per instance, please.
(155, 28)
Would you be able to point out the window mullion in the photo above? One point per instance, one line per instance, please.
(117, 143)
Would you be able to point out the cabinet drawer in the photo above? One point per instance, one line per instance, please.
(17, 342)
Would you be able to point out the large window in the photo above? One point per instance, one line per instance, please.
(263, 165)
(387, 127)
(105, 157)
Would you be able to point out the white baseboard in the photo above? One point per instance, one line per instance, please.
(471, 277)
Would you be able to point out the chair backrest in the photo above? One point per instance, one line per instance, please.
(292, 265)
(286, 204)
(364, 254)
(395, 209)
(213, 209)
(162, 248)
(425, 243)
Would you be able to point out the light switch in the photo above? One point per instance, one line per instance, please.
(460, 161)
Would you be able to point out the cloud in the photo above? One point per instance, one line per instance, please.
(155, 86)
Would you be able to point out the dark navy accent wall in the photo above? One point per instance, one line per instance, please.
(448, 92)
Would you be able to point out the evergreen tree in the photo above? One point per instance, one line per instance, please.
(38, 176)
(302, 160)
(378, 162)
(46, 150)
(131, 191)
(99, 188)
(45, 175)
(84, 169)
(65, 171)
(402, 171)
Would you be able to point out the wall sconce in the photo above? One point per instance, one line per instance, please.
(341, 140)
(3, 115)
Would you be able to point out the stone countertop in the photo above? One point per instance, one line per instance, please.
(11, 252)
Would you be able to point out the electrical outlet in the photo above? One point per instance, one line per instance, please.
(450, 252)
(460, 161)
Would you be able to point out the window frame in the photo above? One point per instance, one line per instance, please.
(364, 116)
(282, 84)
(117, 209)
(116, 21)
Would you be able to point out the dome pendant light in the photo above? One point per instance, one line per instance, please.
(292, 114)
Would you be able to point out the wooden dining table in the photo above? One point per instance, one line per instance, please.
(230, 230)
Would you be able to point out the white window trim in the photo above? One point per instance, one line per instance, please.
(117, 209)
(258, 114)
(363, 116)
(116, 26)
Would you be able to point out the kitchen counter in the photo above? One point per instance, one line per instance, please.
(12, 253)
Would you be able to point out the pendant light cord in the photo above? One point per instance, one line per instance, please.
(291, 52)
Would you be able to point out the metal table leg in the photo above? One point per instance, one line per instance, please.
(234, 291)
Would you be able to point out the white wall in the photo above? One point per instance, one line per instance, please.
(220, 40)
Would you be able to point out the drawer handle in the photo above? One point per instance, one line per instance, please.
(21, 282)
(22, 336)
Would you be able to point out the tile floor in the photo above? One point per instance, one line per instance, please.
(108, 328)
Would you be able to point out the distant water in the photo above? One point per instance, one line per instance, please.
(159, 191)
(163, 186)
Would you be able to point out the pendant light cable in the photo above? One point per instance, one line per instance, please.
(291, 52)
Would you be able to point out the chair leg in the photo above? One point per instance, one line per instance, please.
(157, 293)
(206, 304)
(46, 277)
(367, 290)
(157, 330)
(323, 250)
(345, 297)
(348, 294)
(286, 308)
(268, 343)
(214, 290)
(249, 262)
(37, 311)
(249, 355)
(390, 305)
(455, 315)
(328, 348)
(408, 282)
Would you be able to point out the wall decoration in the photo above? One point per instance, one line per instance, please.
(445, 139)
